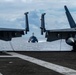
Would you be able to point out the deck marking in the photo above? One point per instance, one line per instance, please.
(57, 68)
(1, 74)
(2, 56)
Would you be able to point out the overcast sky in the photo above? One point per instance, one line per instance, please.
(12, 14)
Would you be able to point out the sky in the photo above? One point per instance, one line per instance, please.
(12, 14)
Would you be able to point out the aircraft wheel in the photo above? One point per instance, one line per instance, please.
(74, 48)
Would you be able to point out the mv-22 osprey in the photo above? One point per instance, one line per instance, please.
(68, 34)
(7, 34)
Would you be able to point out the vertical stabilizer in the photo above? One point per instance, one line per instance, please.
(27, 23)
(69, 17)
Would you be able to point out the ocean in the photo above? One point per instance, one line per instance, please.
(21, 44)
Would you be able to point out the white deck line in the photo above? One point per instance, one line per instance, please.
(6, 56)
(57, 68)
(1, 74)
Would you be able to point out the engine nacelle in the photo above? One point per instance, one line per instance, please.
(70, 41)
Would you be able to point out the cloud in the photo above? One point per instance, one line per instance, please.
(34, 18)
(10, 24)
(14, 1)
(3, 1)
(12, 13)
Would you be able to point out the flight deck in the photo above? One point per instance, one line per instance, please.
(37, 63)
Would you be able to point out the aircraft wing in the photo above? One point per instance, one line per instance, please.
(57, 34)
(11, 29)
(8, 33)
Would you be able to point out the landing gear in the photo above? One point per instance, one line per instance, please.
(74, 48)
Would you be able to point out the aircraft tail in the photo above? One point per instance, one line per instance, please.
(70, 19)
(42, 24)
(27, 23)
